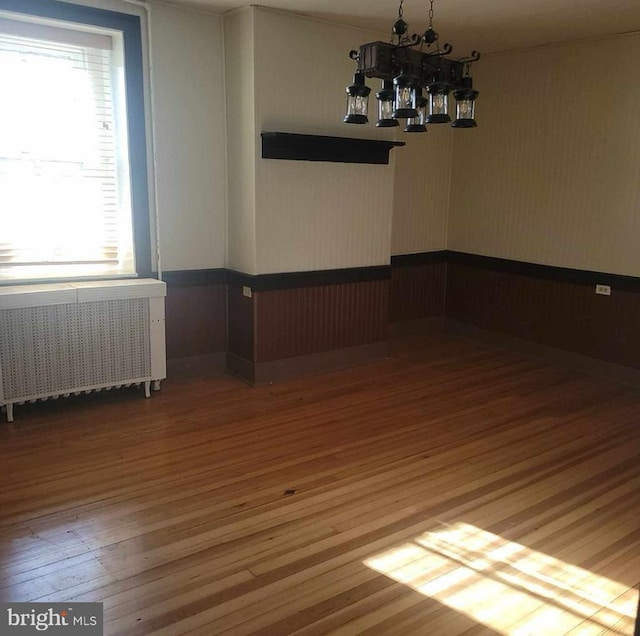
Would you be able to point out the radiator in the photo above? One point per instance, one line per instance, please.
(71, 338)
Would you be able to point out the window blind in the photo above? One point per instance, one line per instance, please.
(65, 203)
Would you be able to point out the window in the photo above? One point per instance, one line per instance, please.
(73, 178)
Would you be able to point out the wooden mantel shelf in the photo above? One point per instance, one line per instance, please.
(279, 145)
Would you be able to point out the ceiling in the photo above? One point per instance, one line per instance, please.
(492, 25)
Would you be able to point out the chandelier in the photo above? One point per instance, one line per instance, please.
(409, 66)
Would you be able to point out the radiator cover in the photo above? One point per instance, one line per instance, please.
(71, 338)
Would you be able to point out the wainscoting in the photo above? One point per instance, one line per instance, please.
(310, 322)
(306, 322)
(552, 306)
(291, 324)
(196, 322)
(418, 283)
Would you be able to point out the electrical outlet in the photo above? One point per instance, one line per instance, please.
(246, 292)
(603, 290)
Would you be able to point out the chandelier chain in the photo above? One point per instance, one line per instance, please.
(400, 10)
(430, 13)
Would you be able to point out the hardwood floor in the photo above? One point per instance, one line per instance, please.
(451, 489)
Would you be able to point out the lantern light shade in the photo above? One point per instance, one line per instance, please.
(417, 124)
(465, 105)
(438, 103)
(385, 106)
(405, 96)
(357, 101)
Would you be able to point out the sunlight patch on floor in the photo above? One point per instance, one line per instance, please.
(508, 587)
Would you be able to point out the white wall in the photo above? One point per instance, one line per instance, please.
(552, 173)
(314, 215)
(289, 73)
(242, 142)
(188, 77)
(421, 191)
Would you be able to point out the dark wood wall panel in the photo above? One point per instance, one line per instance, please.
(555, 307)
(296, 322)
(196, 320)
(241, 324)
(564, 315)
(417, 291)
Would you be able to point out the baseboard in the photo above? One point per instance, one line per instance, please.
(558, 357)
(318, 363)
(209, 364)
(416, 327)
(241, 368)
(307, 365)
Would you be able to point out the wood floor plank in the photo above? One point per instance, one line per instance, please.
(402, 497)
